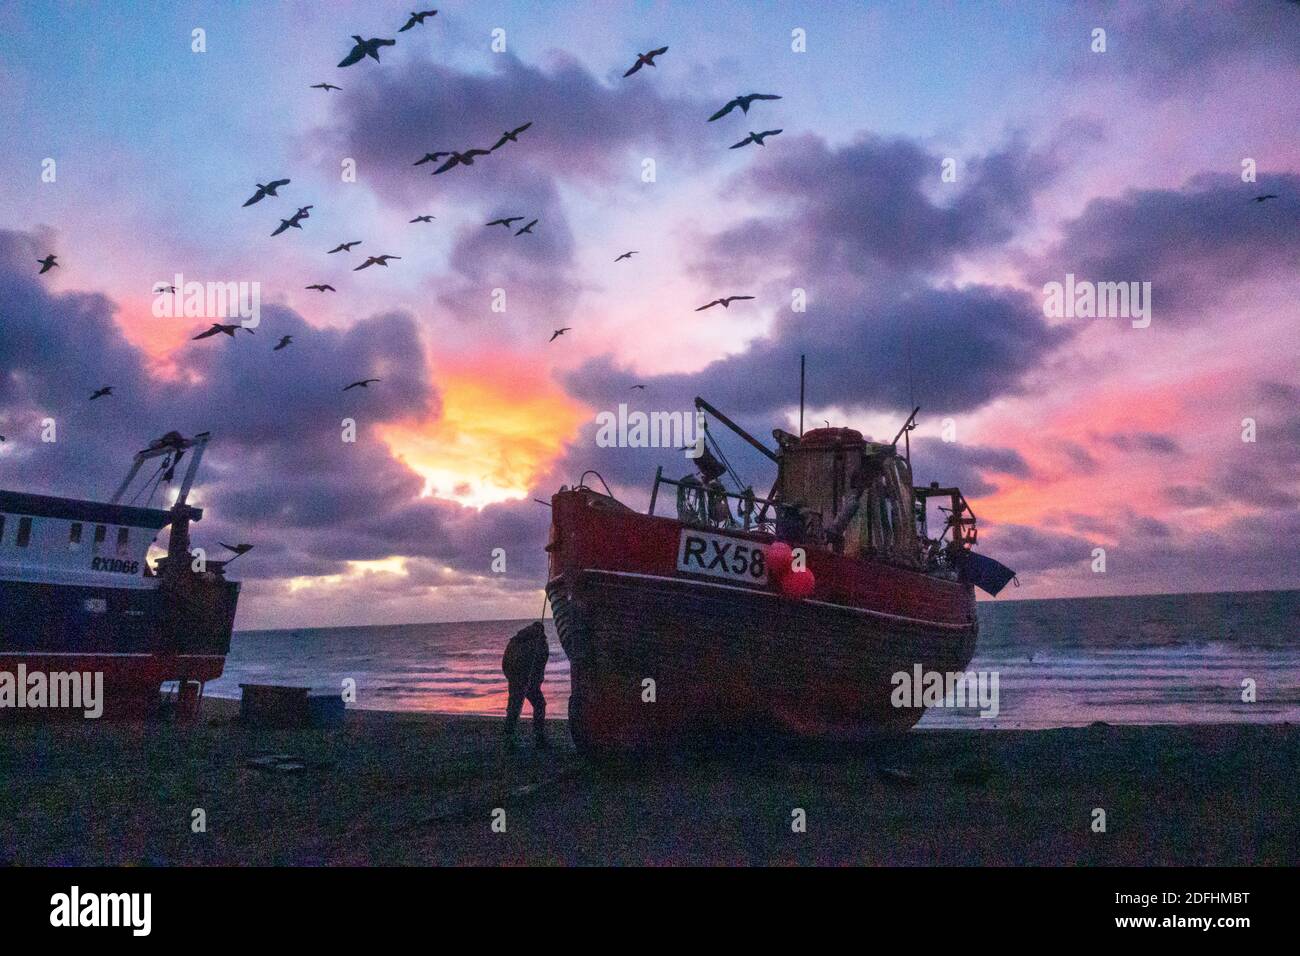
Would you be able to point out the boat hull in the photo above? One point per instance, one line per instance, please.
(661, 659)
(137, 638)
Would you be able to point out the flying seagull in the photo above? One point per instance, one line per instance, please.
(237, 548)
(431, 157)
(283, 343)
(506, 221)
(163, 288)
(725, 302)
(216, 328)
(646, 59)
(364, 383)
(635, 387)
(626, 255)
(47, 263)
(375, 261)
(344, 247)
(100, 393)
(417, 18)
(422, 219)
(463, 159)
(365, 48)
(269, 189)
(511, 135)
(295, 220)
(755, 138)
(325, 86)
(743, 102)
(527, 229)
(558, 332)
(322, 287)
(1265, 197)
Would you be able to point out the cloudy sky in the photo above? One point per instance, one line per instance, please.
(128, 154)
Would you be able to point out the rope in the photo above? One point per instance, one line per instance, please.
(708, 437)
(167, 463)
(148, 481)
(685, 512)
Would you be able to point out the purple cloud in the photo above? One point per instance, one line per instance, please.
(1197, 245)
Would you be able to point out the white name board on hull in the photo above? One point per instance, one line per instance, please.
(717, 556)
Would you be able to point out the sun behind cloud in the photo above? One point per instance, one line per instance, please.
(502, 426)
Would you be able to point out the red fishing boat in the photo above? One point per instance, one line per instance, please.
(741, 615)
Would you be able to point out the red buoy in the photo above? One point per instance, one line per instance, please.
(779, 556)
(798, 584)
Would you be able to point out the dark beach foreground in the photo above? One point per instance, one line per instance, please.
(418, 789)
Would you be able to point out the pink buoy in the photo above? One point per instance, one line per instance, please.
(779, 556)
(798, 584)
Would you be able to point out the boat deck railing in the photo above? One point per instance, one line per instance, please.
(752, 510)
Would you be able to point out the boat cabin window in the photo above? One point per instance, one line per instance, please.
(24, 532)
(100, 534)
(123, 541)
(2, 529)
(74, 535)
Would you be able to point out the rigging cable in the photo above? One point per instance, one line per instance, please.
(735, 477)
(145, 486)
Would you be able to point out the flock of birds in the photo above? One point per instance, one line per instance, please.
(448, 160)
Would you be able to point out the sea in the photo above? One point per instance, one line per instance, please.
(1155, 659)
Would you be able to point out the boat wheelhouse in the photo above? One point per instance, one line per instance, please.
(77, 591)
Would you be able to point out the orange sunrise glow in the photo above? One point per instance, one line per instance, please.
(500, 429)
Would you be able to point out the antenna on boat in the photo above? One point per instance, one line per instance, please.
(905, 434)
(801, 394)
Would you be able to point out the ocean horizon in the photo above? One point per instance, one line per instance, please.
(1060, 662)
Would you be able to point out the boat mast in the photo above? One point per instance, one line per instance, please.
(199, 443)
(801, 394)
(178, 543)
(167, 447)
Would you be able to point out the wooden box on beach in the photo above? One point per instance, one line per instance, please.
(274, 705)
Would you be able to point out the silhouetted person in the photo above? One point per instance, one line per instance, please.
(524, 664)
